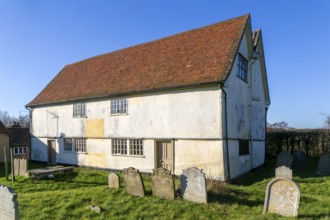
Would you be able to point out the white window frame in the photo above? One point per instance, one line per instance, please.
(127, 147)
(20, 150)
(118, 106)
(77, 145)
(79, 110)
(242, 67)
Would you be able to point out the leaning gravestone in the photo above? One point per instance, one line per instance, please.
(299, 159)
(323, 167)
(282, 197)
(283, 172)
(20, 166)
(162, 183)
(134, 182)
(193, 185)
(284, 159)
(8, 204)
(113, 181)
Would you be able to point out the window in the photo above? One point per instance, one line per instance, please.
(244, 147)
(136, 147)
(20, 150)
(120, 147)
(75, 145)
(242, 67)
(79, 110)
(119, 106)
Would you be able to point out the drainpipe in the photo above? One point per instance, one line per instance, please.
(227, 177)
(30, 120)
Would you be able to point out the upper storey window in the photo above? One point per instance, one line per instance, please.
(79, 110)
(119, 106)
(242, 67)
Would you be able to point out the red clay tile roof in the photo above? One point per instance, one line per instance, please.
(3, 129)
(200, 56)
(19, 136)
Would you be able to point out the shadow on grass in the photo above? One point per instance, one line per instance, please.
(267, 172)
(234, 197)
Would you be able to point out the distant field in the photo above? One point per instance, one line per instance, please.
(67, 197)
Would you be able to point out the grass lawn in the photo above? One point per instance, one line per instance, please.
(67, 197)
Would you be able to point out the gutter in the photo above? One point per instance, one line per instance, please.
(30, 128)
(226, 164)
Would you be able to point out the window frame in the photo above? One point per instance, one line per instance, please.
(79, 110)
(119, 106)
(127, 147)
(75, 145)
(21, 150)
(242, 67)
(243, 147)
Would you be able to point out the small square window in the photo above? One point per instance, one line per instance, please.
(79, 110)
(118, 106)
(244, 147)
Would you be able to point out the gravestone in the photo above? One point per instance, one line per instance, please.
(8, 204)
(283, 172)
(299, 159)
(162, 183)
(113, 181)
(282, 197)
(134, 182)
(284, 159)
(323, 167)
(20, 166)
(193, 185)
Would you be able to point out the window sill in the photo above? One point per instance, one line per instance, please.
(72, 152)
(113, 115)
(77, 117)
(123, 155)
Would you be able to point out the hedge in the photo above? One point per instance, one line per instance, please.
(314, 142)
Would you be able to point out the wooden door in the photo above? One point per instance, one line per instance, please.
(165, 156)
(51, 152)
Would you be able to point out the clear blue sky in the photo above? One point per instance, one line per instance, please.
(39, 37)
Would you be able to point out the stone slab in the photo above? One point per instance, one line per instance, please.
(20, 166)
(282, 197)
(9, 209)
(283, 172)
(284, 159)
(163, 183)
(323, 167)
(299, 159)
(133, 182)
(193, 185)
(113, 181)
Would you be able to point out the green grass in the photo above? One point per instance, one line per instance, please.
(66, 197)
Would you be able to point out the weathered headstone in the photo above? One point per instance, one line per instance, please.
(323, 167)
(162, 183)
(134, 182)
(282, 197)
(113, 180)
(299, 159)
(284, 159)
(20, 166)
(8, 204)
(283, 172)
(193, 185)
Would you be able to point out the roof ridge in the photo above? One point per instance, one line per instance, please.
(160, 39)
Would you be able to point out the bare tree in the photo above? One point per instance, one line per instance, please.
(8, 121)
(326, 120)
